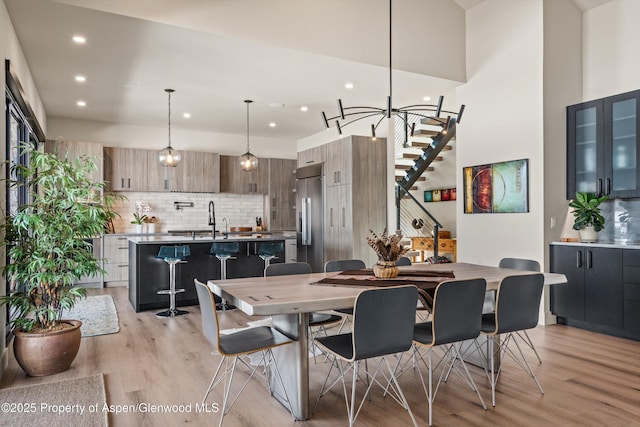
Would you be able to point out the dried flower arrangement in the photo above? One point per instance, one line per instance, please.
(387, 246)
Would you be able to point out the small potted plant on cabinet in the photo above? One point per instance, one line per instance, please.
(49, 247)
(588, 219)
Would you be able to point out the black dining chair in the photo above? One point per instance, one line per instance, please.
(344, 265)
(403, 260)
(525, 265)
(383, 320)
(456, 316)
(517, 305)
(316, 319)
(236, 345)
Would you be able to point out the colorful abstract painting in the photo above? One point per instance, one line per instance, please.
(497, 188)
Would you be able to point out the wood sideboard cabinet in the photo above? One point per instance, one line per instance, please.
(425, 244)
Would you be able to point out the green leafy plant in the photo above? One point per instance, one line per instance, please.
(586, 210)
(50, 240)
(139, 219)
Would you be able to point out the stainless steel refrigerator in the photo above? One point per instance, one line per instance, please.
(310, 214)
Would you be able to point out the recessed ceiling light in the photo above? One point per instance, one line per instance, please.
(80, 79)
(348, 85)
(81, 104)
(79, 39)
(272, 124)
(187, 115)
(276, 104)
(426, 98)
(304, 108)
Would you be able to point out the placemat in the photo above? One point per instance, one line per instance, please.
(403, 273)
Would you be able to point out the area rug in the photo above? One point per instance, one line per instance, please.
(97, 313)
(78, 402)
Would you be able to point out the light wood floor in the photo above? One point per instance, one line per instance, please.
(588, 378)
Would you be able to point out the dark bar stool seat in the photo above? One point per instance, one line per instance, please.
(224, 251)
(172, 255)
(268, 250)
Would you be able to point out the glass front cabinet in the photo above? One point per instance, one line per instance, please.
(602, 146)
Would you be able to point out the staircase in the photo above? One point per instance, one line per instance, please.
(420, 144)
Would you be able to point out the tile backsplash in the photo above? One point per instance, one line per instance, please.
(239, 209)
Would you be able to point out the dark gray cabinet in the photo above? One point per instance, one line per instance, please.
(602, 289)
(602, 146)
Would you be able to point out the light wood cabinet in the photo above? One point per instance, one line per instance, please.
(282, 203)
(356, 201)
(126, 169)
(116, 255)
(234, 180)
(312, 155)
(290, 250)
(74, 149)
(197, 172)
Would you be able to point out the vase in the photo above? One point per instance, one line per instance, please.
(385, 270)
(588, 234)
(138, 228)
(47, 353)
(151, 228)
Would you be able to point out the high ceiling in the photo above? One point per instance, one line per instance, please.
(215, 54)
(283, 54)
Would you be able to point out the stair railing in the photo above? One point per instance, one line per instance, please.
(433, 222)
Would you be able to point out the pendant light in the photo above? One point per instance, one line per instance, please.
(169, 156)
(248, 162)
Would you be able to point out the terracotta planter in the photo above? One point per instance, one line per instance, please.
(48, 353)
(385, 270)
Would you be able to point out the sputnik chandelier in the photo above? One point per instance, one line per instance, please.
(409, 114)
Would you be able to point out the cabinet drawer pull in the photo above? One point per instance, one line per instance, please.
(123, 265)
(121, 182)
(599, 187)
(589, 259)
(608, 186)
(126, 247)
(121, 238)
(128, 182)
(578, 259)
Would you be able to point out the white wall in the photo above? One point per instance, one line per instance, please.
(562, 87)
(503, 121)
(611, 49)
(120, 135)
(10, 49)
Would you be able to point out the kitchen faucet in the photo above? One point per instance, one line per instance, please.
(226, 227)
(212, 219)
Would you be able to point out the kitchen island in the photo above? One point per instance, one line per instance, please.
(149, 274)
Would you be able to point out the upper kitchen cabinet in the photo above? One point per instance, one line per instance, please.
(125, 169)
(234, 180)
(338, 161)
(74, 149)
(602, 141)
(282, 203)
(312, 156)
(197, 172)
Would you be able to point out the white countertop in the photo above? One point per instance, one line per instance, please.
(620, 245)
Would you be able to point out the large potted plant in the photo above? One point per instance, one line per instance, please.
(49, 243)
(587, 217)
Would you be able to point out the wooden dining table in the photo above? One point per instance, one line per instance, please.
(290, 299)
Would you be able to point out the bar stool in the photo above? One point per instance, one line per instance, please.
(172, 255)
(268, 251)
(224, 251)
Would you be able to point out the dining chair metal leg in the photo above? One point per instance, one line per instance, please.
(527, 339)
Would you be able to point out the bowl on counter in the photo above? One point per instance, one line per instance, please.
(241, 230)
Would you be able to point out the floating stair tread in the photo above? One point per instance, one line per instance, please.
(400, 177)
(433, 121)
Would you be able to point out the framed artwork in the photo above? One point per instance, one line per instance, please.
(497, 188)
(441, 195)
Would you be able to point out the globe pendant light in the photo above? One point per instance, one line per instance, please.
(169, 156)
(248, 162)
